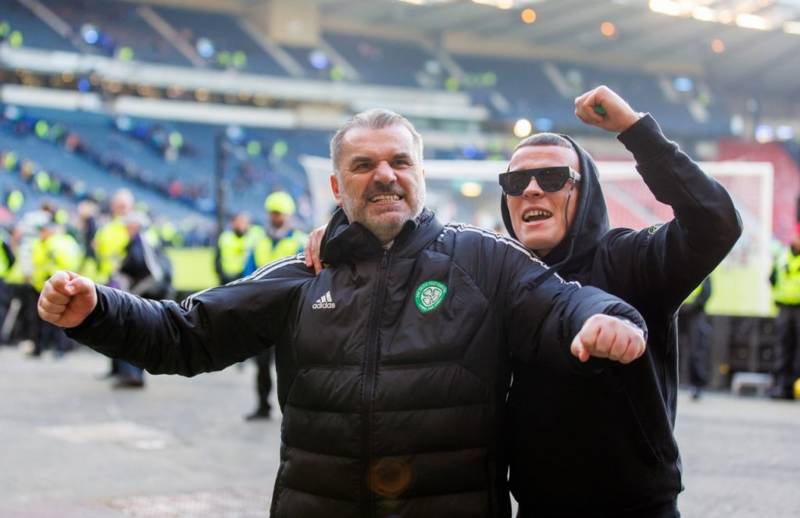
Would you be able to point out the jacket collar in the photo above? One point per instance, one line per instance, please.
(344, 241)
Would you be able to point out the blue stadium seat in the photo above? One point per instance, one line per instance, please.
(224, 31)
(384, 62)
(35, 32)
(122, 23)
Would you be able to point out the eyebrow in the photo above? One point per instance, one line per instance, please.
(363, 158)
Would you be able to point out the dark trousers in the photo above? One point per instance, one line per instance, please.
(264, 379)
(787, 361)
(27, 324)
(668, 510)
(694, 331)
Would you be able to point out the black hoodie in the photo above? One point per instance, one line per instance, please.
(603, 446)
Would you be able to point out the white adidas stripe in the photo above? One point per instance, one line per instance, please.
(262, 272)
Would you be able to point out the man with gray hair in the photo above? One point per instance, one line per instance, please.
(393, 364)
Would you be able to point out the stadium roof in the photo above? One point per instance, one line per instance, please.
(749, 45)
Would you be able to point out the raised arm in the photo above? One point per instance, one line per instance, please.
(208, 332)
(674, 258)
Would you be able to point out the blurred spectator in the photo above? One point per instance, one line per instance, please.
(52, 251)
(694, 331)
(110, 245)
(280, 239)
(87, 228)
(235, 247)
(145, 272)
(785, 280)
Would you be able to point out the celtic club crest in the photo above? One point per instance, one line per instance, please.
(429, 295)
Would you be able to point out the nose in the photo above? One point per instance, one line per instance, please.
(384, 173)
(533, 190)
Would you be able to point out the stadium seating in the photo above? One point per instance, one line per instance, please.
(525, 89)
(384, 62)
(118, 25)
(224, 33)
(35, 32)
(181, 186)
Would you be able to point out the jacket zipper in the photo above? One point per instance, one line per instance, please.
(371, 367)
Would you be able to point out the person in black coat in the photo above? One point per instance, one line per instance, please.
(694, 331)
(142, 273)
(562, 216)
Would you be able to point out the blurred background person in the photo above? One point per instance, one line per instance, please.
(694, 332)
(53, 250)
(235, 247)
(86, 226)
(145, 272)
(280, 239)
(110, 243)
(785, 280)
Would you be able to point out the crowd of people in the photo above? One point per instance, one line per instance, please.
(194, 195)
(119, 245)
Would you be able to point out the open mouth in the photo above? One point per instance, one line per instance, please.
(536, 215)
(385, 198)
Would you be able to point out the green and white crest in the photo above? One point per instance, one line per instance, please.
(429, 295)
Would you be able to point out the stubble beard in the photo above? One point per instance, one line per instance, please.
(384, 227)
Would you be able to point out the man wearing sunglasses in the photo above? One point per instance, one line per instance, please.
(553, 203)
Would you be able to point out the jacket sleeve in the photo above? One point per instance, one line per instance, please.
(544, 313)
(207, 332)
(673, 259)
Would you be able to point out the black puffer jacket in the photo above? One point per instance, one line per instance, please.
(392, 364)
(603, 446)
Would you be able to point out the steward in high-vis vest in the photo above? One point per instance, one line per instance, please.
(279, 240)
(110, 246)
(235, 247)
(785, 280)
(52, 251)
(111, 240)
(7, 259)
(110, 243)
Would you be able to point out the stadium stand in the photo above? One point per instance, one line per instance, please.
(137, 151)
(108, 27)
(232, 48)
(35, 32)
(383, 62)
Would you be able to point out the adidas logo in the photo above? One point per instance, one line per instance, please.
(324, 302)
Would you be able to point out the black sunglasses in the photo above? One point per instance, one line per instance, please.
(550, 179)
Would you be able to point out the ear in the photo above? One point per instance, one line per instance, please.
(335, 189)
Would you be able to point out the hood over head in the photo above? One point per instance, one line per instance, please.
(588, 226)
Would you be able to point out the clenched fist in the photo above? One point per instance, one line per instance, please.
(615, 114)
(67, 299)
(604, 336)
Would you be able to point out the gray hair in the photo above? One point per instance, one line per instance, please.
(377, 118)
(545, 139)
